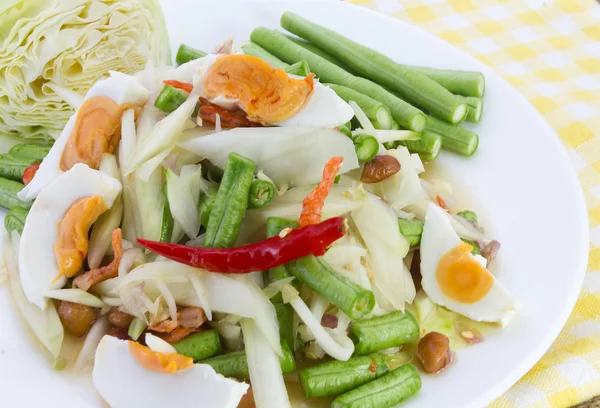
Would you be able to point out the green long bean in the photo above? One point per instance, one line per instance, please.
(285, 318)
(8, 194)
(13, 167)
(230, 203)
(466, 83)
(262, 192)
(366, 147)
(454, 138)
(276, 43)
(382, 332)
(336, 377)
(300, 68)
(427, 147)
(258, 51)
(315, 273)
(185, 53)
(170, 99)
(236, 364)
(29, 151)
(411, 85)
(206, 203)
(15, 220)
(412, 230)
(470, 216)
(379, 115)
(385, 392)
(475, 108)
(199, 346)
(316, 50)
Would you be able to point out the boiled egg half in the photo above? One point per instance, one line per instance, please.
(456, 279)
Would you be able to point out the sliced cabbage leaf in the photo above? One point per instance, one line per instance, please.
(49, 48)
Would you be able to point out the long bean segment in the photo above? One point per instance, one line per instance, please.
(236, 364)
(379, 115)
(385, 392)
(315, 273)
(466, 83)
(262, 193)
(475, 108)
(8, 194)
(15, 219)
(427, 147)
(412, 230)
(470, 216)
(285, 318)
(257, 51)
(13, 167)
(170, 99)
(185, 53)
(412, 85)
(282, 47)
(366, 147)
(336, 377)
(206, 203)
(230, 203)
(29, 151)
(454, 138)
(199, 346)
(316, 50)
(379, 333)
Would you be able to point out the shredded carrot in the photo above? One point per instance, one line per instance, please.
(179, 85)
(90, 278)
(441, 202)
(312, 205)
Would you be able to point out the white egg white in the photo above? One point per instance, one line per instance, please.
(498, 305)
(124, 383)
(122, 88)
(37, 263)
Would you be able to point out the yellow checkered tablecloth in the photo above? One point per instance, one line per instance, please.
(549, 50)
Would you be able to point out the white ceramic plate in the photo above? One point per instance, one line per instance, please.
(520, 177)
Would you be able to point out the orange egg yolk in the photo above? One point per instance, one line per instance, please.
(97, 131)
(167, 363)
(265, 93)
(462, 278)
(71, 246)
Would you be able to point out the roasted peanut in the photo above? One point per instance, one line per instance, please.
(119, 319)
(76, 318)
(434, 352)
(379, 169)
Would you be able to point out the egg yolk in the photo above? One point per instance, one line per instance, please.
(71, 246)
(167, 363)
(97, 131)
(462, 278)
(265, 93)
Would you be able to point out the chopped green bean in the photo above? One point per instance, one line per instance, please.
(300, 68)
(170, 99)
(470, 216)
(346, 129)
(366, 147)
(382, 332)
(230, 203)
(285, 318)
(475, 108)
(29, 151)
(316, 50)
(199, 346)
(13, 168)
(467, 83)
(336, 377)
(379, 114)
(454, 138)
(427, 147)
(476, 250)
(206, 203)
(411, 230)
(274, 226)
(15, 220)
(385, 392)
(236, 364)
(185, 53)
(8, 194)
(315, 273)
(261, 193)
(395, 126)
(257, 51)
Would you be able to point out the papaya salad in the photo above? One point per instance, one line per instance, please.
(255, 227)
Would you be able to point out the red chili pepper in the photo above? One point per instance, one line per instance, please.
(179, 85)
(272, 252)
(29, 173)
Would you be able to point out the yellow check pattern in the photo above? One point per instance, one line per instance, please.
(549, 50)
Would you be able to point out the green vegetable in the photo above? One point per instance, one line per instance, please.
(411, 230)
(170, 99)
(285, 317)
(15, 220)
(136, 328)
(316, 50)
(276, 43)
(385, 392)
(205, 205)
(315, 273)
(230, 203)
(29, 151)
(53, 51)
(382, 332)
(185, 53)
(274, 226)
(366, 147)
(379, 115)
(427, 147)
(258, 51)
(467, 83)
(262, 193)
(395, 126)
(346, 129)
(454, 138)
(412, 85)
(199, 346)
(336, 377)
(13, 167)
(8, 194)
(476, 250)
(300, 68)
(475, 108)
(236, 364)
(470, 216)
(168, 223)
